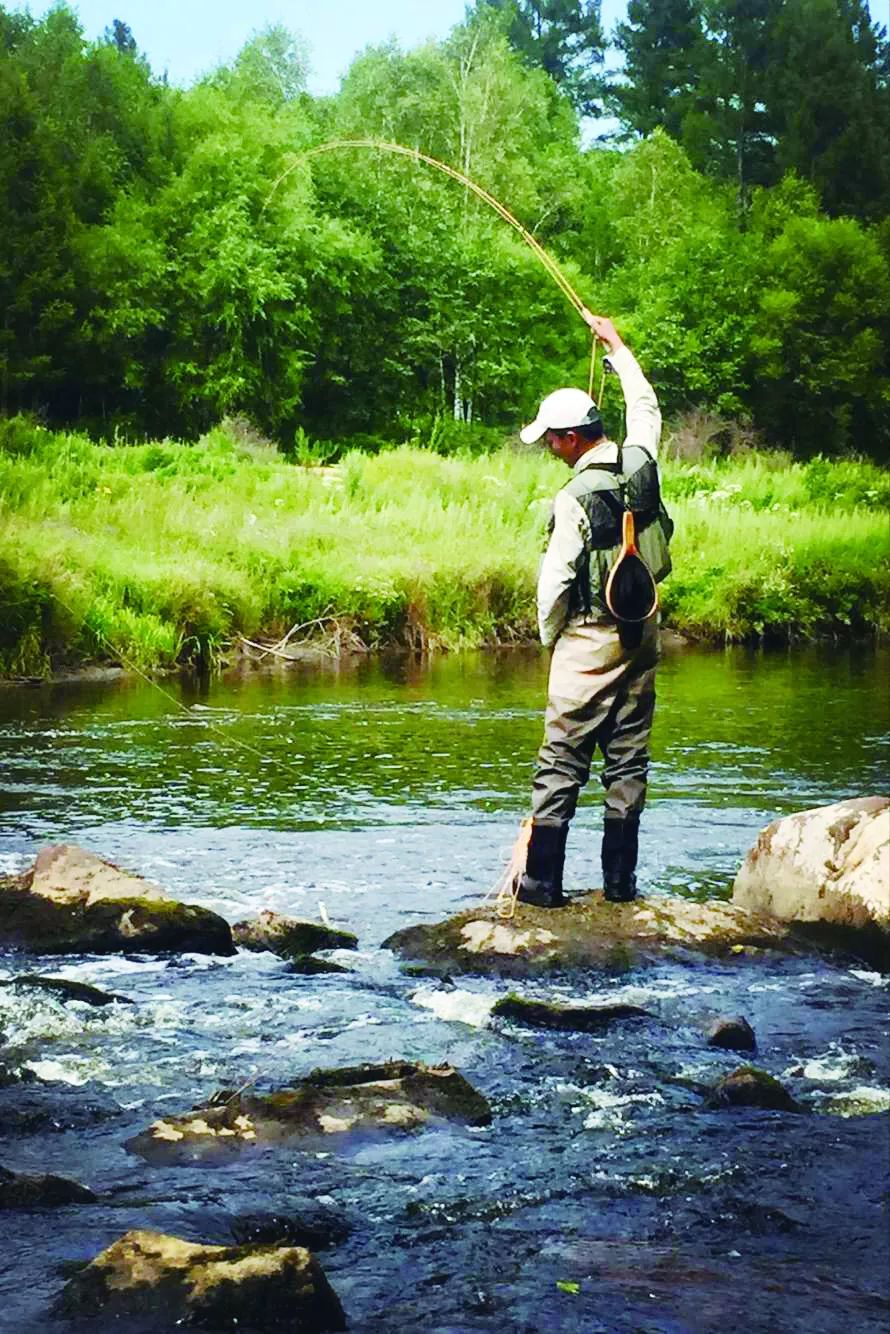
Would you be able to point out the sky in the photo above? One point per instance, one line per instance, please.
(188, 37)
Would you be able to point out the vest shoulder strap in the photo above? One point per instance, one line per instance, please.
(605, 477)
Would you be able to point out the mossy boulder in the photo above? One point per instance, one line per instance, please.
(750, 1087)
(395, 1096)
(149, 1274)
(73, 902)
(589, 933)
(566, 1018)
(290, 937)
(23, 1190)
(63, 989)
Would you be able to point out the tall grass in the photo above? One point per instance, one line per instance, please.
(168, 552)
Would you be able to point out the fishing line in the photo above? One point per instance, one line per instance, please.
(415, 155)
(177, 703)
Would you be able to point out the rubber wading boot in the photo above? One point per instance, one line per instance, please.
(620, 843)
(541, 883)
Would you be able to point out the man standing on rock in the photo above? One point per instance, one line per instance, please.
(602, 672)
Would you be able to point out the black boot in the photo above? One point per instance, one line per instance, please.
(620, 842)
(541, 883)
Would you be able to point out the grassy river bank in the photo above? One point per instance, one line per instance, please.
(171, 552)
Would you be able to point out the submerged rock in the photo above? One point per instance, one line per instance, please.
(568, 1018)
(32, 1106)
(395, 1096)
(73, 902)
(749, 1087)
(828, 866)
(290, 937)
(588, 933)
(312, 967)
(63, 989)
(21, 1190)
(306, 1223)
(224, 1287)
(733, 1033)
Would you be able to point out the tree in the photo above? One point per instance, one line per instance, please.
(272, 66)
(455, 310)
(37, 312)
(683, 286)
(120, 36)
(730, 131)
(755, 88)
(820, 351)
(662, 47)
(830, 101)
(697, 68)
(564, 38)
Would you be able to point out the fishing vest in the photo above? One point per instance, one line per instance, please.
(604, 491)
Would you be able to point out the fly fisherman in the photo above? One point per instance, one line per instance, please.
(602, 673)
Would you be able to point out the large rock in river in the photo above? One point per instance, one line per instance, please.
(588, 933)
(396, 1096)
(149, 1274)
(829, 865)
(73, 902)
(290, 937)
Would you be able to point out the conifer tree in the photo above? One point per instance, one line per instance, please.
(830, 96)
(662, 47)
(564, 38)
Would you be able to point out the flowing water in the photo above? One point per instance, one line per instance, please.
(604, 1196)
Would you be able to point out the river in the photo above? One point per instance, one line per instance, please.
(603, 1197)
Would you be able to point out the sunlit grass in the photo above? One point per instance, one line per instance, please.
(167, 552)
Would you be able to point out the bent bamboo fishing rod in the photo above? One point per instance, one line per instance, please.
(415, 155)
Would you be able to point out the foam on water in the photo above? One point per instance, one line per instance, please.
(28, 1015)
(464, 1007)
(70, 1069)
(835, 1065)
(614, 1111)
(863, 1100)
(872, 979)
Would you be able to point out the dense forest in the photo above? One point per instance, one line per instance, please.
(736, 225)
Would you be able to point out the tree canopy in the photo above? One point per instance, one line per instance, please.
(152, 280)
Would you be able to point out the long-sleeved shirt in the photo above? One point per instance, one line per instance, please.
(571, 530)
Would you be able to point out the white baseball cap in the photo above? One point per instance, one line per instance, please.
(560, 411)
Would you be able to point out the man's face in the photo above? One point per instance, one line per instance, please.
(563, 445)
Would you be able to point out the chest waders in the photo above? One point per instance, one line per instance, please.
(615, 499)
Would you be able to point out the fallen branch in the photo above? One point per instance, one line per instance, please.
(276, 652)
(305, 625)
